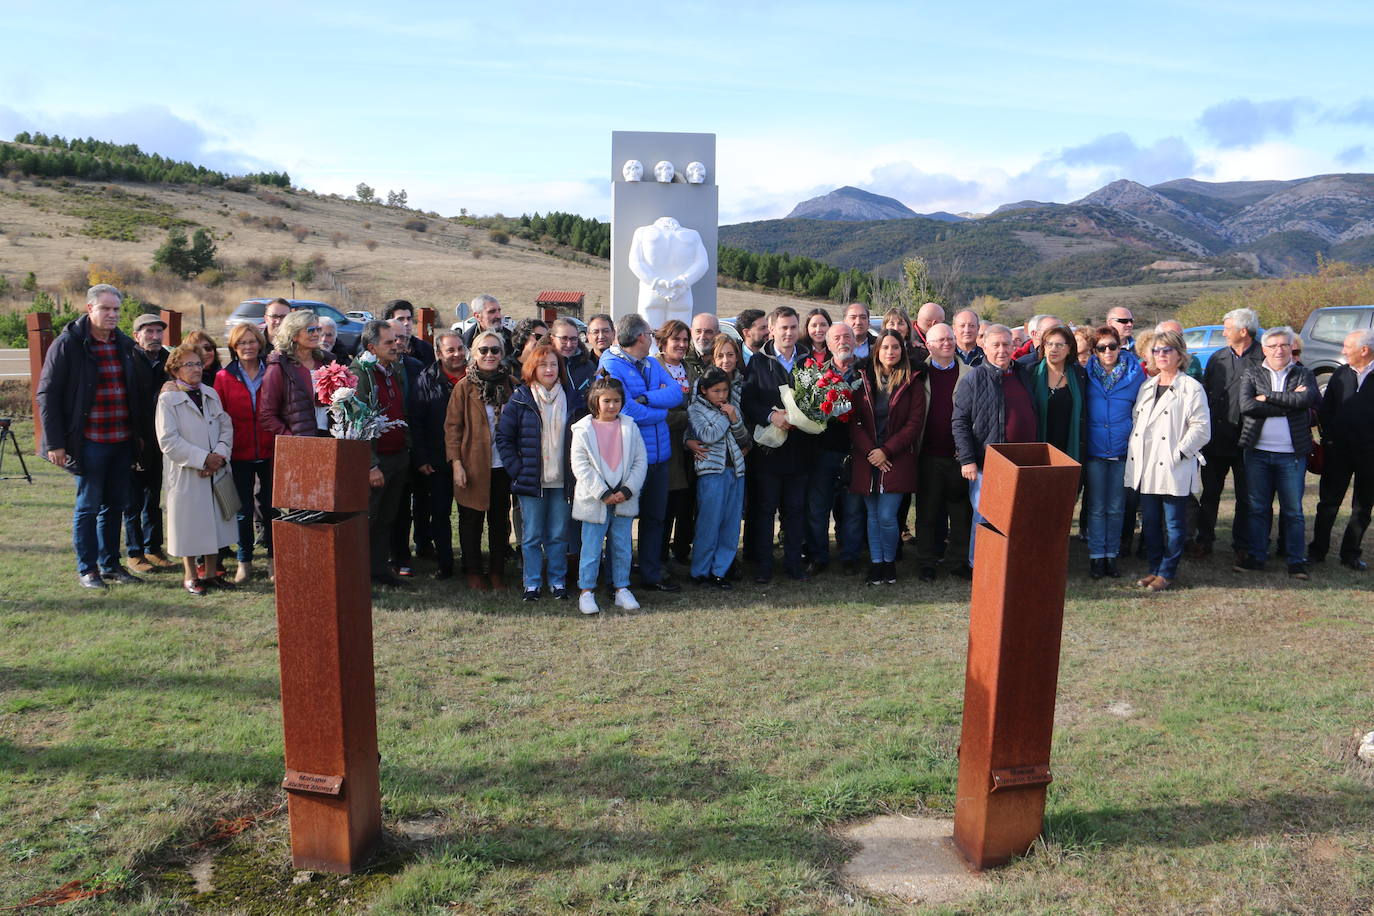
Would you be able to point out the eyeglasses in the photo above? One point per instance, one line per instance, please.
(1161, 351)
(1107, 348)
(1280, 346)
(489, 351)
(1124, 320)
(314, 329)
(1055, 344)
(563, 338)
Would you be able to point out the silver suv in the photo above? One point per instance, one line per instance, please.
(1324, 332)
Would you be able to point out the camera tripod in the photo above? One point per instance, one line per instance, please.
(7, 435)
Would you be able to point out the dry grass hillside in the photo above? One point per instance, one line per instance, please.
(60, 229)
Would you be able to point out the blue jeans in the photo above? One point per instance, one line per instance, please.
(1163, 524)
(245, 472)
(653, 506)
(102, 488)
(1269, 473)
(1104, 496)
(543, 528)
(720, 509)
(822, 487)
(883, 530)
(615, 532)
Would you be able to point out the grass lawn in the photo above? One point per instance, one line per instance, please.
(694, 757)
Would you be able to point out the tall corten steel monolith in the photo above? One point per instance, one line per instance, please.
(324, 626)
(39, 326)
(424, 323)
(1015, 620)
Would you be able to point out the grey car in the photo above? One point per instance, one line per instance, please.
(1324, 333)
(252, 310)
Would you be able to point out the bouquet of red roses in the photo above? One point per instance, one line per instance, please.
(817, 396)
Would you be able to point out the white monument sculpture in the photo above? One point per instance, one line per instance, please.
(696, 173)
(667, 258)
(633, 170)
(664, 171)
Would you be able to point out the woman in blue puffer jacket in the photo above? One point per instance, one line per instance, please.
(532, 439)
(1114, 378)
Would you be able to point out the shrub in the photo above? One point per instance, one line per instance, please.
(416, 225)
(1287, 301)
(213, 277)
(336, 237)
(499, 236)
(30, 284)
(371, 244)
(299, 232)
(306, 273)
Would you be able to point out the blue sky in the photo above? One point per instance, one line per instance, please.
(509, 106)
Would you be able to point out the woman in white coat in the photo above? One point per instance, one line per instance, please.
(196, 437)
(1170, 425)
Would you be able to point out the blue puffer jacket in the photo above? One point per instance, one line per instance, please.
(519, 442)
(657, 388)
(1109, 412)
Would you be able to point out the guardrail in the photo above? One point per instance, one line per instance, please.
(14, 364)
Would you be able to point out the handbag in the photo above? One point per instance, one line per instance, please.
(1316, 459)
(226, 495)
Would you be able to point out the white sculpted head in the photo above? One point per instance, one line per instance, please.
(696, 173)
(633, 170)
(663, 172)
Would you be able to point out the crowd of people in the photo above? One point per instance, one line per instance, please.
(622, 447)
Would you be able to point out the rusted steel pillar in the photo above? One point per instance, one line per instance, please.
(424, 324)
(324, 626)
(171, 318)
(1015, 619)
(40, 339)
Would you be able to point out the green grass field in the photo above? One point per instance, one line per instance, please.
(695, 757)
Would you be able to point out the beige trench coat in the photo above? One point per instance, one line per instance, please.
(1167, 435)
(187, 436)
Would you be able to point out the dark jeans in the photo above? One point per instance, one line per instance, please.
(1163, 521)
(414, 510)
(1213, 482)
(384, 506)
(679, 522)
(823, 489)
(497, 521)
(941, 504)
(1281, 473)
(245, 473)
(1341, 467)
(653, 506)
(440, 515)
(143, 511)
(102, 488)
(785, 494)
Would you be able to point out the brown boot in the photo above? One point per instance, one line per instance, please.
(159, 559)
(477, 582)
(140, 564)
(498, 584)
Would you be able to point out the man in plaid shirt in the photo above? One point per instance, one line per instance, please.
(92, 407)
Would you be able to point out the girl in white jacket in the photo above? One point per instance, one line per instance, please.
(609, 462)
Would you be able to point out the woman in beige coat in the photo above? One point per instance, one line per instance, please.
(481, 485)
(196, 437)
(1170, 425)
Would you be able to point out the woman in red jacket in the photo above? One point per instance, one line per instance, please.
(239, 386)
(889, 415)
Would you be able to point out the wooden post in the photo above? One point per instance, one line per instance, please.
(171, 318)
(40, 339)
(324, 627)
(424, 324)
(1016, 617)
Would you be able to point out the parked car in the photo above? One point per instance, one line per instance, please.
(1324, 333)
(252, 310)
(1202, 341)
(360, 315)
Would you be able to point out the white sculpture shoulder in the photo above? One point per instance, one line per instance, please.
(668, 258)
(696, 173)
(633, 170)
(664, 171)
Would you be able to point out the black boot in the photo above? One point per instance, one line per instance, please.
(1097, 567)
(1111, 570)
(875, 574)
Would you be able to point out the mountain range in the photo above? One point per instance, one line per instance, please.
(1121, 233)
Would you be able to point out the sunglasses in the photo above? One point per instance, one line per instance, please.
(314, 329)
(1107, 348)
(1124, 320)
(489, 351)
(1161, 351)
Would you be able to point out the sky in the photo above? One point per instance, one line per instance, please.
(509, 106)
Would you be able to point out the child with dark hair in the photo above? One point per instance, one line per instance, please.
(716, 423)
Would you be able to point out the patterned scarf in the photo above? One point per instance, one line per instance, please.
(493, 388)
(1108, 377)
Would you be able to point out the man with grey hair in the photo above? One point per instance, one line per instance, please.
(1028, 354)
(94, 406)
(650, 392)
(382, 381)
(1346, 417)
(966, 326)
(1222, 379)
(428, 409)
(487, 310)
(705, 327)
(578, 369)
(1276, 399)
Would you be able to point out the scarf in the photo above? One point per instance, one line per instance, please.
(553, 413)
(493, 388)
(1108, 377)
(1040, 393)
(192, 391)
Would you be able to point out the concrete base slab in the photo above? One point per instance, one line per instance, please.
(912, 858)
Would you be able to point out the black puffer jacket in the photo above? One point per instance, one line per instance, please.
(1296, 405)
(1222, 380)
(66, 388)
(980, 411)
(426, 412)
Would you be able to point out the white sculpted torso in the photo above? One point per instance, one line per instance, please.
(667, 258)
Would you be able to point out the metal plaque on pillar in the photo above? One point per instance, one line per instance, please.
(640, 196)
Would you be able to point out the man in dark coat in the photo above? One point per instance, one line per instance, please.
(428, 408)
(401, 314)
(1222, 380)
(143, 511)
(382, 380)
(1347, 424)
(93, 406)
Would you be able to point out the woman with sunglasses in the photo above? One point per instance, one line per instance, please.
(1114, 380)
(288, 403)
(1170, 425)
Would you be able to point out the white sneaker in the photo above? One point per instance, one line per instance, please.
(625, 600)
(587, 604)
